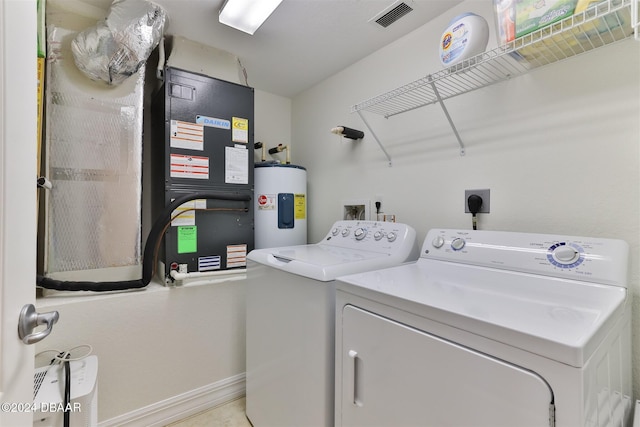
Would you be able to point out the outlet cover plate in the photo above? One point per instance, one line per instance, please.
(485, 200)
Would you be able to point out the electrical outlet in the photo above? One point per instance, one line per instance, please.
(485, 200)
(356, 210)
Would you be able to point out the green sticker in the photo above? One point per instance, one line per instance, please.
(187, 239)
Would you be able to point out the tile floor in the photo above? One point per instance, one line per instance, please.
(228, 415)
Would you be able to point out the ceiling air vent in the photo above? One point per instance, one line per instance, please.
(392, 13)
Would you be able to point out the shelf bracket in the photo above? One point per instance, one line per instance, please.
(446, 113)
(374, 136)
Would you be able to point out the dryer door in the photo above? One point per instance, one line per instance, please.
(394, 375)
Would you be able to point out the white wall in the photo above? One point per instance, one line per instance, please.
(273, 125)
(155, 345)
(558, 147)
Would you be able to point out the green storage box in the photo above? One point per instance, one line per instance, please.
(531, 15)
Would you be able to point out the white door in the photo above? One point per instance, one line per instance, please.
(18, 71)
(397, 376)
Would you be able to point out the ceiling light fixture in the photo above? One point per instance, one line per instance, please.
(247, 15)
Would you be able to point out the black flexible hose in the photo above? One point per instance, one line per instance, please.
(155, 235)
(67, 392)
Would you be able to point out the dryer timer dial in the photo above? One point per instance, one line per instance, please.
(565, 255)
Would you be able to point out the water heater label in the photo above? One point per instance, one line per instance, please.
(267, 202)
(300, 206)
(189, 136)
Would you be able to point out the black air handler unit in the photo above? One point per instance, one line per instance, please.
(202, 133)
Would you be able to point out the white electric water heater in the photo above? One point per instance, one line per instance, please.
(280, 207)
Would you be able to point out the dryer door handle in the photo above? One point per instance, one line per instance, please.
(278, 260)
(357, 378)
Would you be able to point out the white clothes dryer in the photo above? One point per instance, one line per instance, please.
(291, 318)
(488, 329)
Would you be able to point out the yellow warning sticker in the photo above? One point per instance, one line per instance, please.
(300, 206)
(239, 130)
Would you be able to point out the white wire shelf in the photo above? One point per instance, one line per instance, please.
(608, 22)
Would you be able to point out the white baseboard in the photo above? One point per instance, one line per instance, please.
(178, 407)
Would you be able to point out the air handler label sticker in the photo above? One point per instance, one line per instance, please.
(187, 239)
(239, 130)
(187, 135)
(236, 256)
(192, 167)
(185, 214)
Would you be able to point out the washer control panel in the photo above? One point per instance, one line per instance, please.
(581, 258)
(375, 236)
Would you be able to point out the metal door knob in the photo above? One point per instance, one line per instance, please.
(30, 319)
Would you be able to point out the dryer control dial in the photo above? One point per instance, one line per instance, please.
(345, 232)
(378, 235)
(360, 233)
(391, 236)
(335, 231)
(457, 243)
(565, 255)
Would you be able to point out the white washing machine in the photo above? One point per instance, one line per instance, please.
(488, 329)
(291, 318)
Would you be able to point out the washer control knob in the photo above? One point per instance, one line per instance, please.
(360, 233)
(335, 231)
(378, 235)
(457, 243)
(565, 254)
(391, 236)
(345, 232)
(438, 242)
